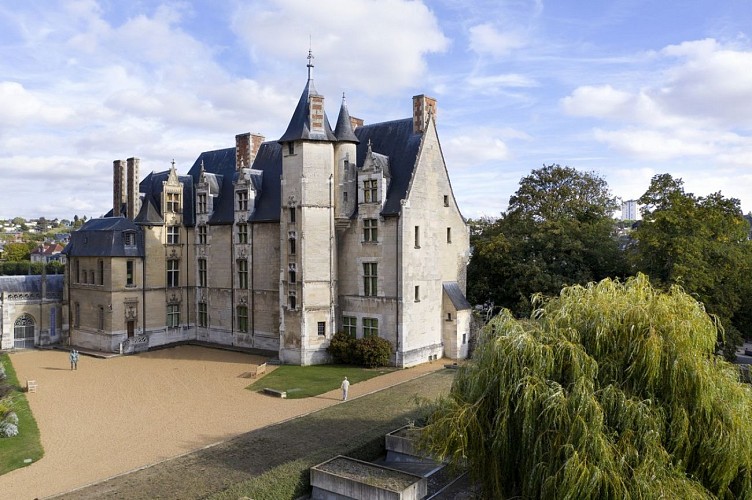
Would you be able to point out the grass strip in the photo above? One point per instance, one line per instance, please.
(307, 381)
(27, 444)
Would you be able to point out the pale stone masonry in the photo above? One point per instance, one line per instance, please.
(277, 245)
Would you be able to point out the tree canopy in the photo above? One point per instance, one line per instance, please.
(557, 231)
(611, 390)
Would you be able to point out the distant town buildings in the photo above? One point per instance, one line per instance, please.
(629, 210)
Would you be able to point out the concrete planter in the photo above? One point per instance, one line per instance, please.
(401, 444)
(344, 477)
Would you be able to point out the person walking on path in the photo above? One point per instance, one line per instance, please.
(345, 386)
(73, 359)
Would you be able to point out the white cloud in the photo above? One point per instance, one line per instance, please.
(475, 146)
(486, 40)
(21, 106)
(514, 80)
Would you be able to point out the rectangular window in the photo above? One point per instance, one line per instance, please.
(242, 314)
(201, 205)
(350, 325)
(291, 302)
(370, 327)
(173, 235)
(173, 202)
(417, 293)
(344, 196)
(173, 273)
(464, 338)
(370, 279)
(449, 235)
(78, 271)
(100, 271)
(370, 230)
(446, 200)
(292, 246)
(242, 197)
(242, 273)
(173, 315)
(129, 239)
(243, 234)
(76, 314)
(292, 215)
(202, 280)
(202, 235)
(100, 321)
(449, 316)
(290, 148)
(203, 315)
(321, 327)
(370, 191)
(129, 274)
(293, 273)
(417, 236)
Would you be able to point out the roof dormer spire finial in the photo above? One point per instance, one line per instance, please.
(310, 59)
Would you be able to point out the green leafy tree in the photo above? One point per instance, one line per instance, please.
(700, 243)
(609, 391)
(557, 231)
(16, 252)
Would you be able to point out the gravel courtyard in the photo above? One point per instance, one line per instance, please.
(115, 415)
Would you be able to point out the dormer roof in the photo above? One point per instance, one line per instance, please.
(343, 130)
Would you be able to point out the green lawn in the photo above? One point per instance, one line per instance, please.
(306, 381)
(14, 450)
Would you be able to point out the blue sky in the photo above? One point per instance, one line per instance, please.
(627, 89)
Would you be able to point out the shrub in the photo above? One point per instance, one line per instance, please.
(8, 430)
(373, 351)
(5, 389)
(342, 348)
(11, 417)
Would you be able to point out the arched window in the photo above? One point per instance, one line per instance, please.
(23, 332)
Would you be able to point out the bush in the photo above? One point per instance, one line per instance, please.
(373, 352)
(11, 418)
(342, 348)
(5, 389)
(8, 430)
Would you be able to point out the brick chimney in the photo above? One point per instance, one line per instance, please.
(356, 122)
(423, 107)
(132, 200)
(246, 148)
(118, 187)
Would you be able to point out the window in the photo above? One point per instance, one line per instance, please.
(446, 200)
(202, 235)
(449, 316)
(321, 327)
(78, 271)
(173, 273)
(449, 235)
(350, 325)
(291, 302)
(173, 315)
(464, 338)
(91, 275)
(292, 245)
(129, 239)
(242, 273)
(417, 236)
(100, 271)
(203, 315)
(370, 230)
(243, 234)
(370, 327)
(173, 202)
(370, 278)
(76, 315)
(129, 274)
(242, 197)
(292, 215)
(201, 205)
(417, 293)
(293, 273)
(173, 235)
(290, 148)
(370, 191)
(100, 318)
(242, 315)
(344, 196)
(202, 273)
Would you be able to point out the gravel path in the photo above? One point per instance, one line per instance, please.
(115, 415)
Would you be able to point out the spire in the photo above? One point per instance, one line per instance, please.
(343, 130)
(310, 64)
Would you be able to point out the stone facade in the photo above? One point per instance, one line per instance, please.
(277, 245)
(30, 311)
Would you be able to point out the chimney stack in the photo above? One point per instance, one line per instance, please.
(132, 188)
(118, 187)
(355, 122)
(423, 107)
(246, 148)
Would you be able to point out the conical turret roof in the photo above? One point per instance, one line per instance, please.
(343, 130)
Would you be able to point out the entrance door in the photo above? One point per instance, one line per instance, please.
(23, 332)
(130, 327)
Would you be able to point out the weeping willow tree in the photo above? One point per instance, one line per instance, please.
(608, 391)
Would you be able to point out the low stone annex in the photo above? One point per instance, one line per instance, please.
(277, 245)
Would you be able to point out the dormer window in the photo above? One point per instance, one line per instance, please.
(129, 239)
(370, 191)
(242, 197)
(201, 204)
(173, 203)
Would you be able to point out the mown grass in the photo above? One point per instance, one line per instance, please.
(27, 444)
(306, 381)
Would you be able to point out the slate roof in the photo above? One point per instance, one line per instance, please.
(396, 140)
(299, 128)
(104, 238)
(148, 215)
(454, 292)
(152, 186)
(343, 130)
(31, 284)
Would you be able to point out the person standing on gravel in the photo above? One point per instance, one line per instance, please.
(345, 386)
(73, 359)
